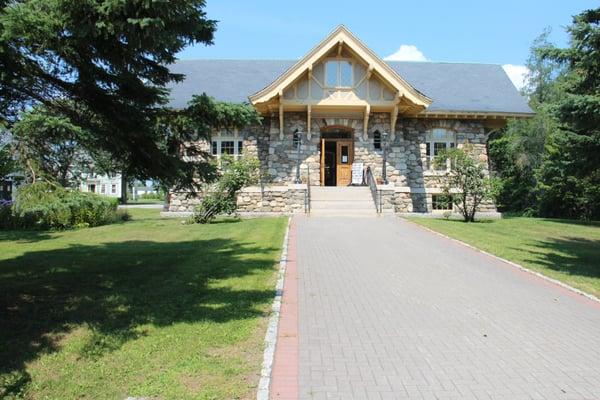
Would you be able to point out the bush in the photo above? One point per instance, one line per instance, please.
(44, 205)
(5, 213)
(222, 199)
(152, 196)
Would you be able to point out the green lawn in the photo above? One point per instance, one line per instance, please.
(147, 308)
(568, 251)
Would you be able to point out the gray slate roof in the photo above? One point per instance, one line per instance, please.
(452, 86)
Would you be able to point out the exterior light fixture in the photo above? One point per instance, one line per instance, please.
(298, 144)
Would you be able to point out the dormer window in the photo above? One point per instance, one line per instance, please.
(338, 73)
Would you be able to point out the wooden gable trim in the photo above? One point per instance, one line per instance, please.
(341, 35)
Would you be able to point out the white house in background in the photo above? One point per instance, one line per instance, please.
(102, 184)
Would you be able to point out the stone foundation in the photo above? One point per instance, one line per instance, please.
(254, 199)
(276, 199)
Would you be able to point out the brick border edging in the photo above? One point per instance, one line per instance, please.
(513, 264)
(285, 373)
(264, 383)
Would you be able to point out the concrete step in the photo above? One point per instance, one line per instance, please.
(342, 205)
(341, 195)
(344, 213)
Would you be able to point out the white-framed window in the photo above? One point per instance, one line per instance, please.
(437, 141)
(103, 189)
(441, 202)
(113, 188)
(338, 73)
(227, 145)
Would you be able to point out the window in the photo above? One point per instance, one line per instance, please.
(226, 145)
(345, 74)
(344, 153)
(377, 140)
(92, 188)
(338, 73)
(113, 188)
(103, 189)
(441, 202)
(438, 140)
(296, 139)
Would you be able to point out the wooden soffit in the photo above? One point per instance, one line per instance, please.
(340, 36)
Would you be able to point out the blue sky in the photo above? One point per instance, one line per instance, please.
(498, 32)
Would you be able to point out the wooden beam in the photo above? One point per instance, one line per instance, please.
(366, 122)
(370, 71)
(339, 49)
(280, 121)
(308, 120)
(393, 119)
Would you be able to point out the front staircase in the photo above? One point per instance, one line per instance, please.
(342, 201)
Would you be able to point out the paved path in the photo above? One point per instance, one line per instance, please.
(388, 310)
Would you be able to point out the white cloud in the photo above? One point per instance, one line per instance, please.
(517, 74)
(407, 52)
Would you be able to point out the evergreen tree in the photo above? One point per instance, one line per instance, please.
(103, 65)
(570, 174)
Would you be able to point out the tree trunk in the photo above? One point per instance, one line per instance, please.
(123, 189)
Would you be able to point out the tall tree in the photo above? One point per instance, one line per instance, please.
(570, 173)
(47, 147)
(103, 64)
(517, 151)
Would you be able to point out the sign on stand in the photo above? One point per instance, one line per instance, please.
(357, 173)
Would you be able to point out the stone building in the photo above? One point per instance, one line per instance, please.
(342, 107)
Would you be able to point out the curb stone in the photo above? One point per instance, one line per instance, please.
(271, 335)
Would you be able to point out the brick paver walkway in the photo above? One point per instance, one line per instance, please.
(388, 310)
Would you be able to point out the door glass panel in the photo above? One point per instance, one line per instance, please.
(344, 157)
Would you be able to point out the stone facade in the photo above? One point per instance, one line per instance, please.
(274, 199)
(411, 182)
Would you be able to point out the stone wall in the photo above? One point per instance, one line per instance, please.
(406, 159)
(182, 202)
(277, 199)
(254, 199)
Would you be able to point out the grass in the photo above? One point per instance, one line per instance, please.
(566, 250)
(147, 308)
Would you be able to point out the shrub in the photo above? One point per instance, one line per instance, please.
(152, 196)
(222, 199)
(467, 176)
(44, 205)
(5, 213)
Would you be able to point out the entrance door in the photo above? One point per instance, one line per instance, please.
(344, 160)
(328, 162)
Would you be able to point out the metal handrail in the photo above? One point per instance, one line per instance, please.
(307, 193)
(374, 191)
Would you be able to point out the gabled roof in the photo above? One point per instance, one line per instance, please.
(341, 36)
(453, 87)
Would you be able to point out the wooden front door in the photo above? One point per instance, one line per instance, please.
(344, 160)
